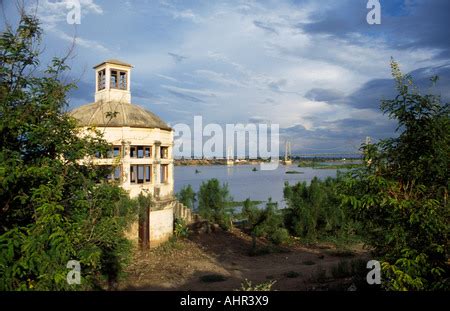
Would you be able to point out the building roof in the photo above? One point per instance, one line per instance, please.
(117, 114)
(113, 61)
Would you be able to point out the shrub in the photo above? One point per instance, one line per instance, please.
(401, 195)
(52, 206)
(279, 236)
(264, 287)
(314, 211)
(213, 200)
(187, 196)
(181, 229)
(266, 223)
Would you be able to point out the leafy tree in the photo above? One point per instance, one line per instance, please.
(187, 196)
(213, 203)
(266, 222)
(314, 210)
(401, 196)
(52, 207)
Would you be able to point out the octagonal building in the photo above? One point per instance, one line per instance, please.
(141, 152)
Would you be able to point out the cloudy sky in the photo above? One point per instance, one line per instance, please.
(314, 67)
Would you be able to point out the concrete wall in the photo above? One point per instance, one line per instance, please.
(161, 226)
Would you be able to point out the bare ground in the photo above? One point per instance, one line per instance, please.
(180, 265)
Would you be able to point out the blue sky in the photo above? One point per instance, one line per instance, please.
(315, 67)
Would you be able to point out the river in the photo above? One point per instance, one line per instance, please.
(245, 183)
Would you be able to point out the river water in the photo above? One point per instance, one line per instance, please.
(245, 183)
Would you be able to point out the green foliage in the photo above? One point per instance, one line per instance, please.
(401, 196)
(181, 229)
(261, 287)
(213, 200)
(187, 196)
(266, 222)
(314, 211)
(52, 208)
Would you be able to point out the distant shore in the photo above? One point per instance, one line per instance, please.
(301, 162)
(204, 162)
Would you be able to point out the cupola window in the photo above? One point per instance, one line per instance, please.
(118, 79)
(101, 79)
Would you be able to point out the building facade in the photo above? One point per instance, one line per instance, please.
(141, 148)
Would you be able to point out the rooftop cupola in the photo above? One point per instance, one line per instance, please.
(112, 81)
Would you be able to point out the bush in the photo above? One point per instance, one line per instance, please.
(187, 196)
(314, 211)
(279, 236)
(52, 206)
(264, 287)
(213, 200)
(266, 223)
(401, 195)
(181, 230)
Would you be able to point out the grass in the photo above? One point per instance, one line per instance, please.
(174, 243)
(212, 278)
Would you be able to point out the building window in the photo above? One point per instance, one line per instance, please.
(140, 152)
(118, 79)
(101, 79)
(148, 173)
(115, 173)
(116, 151)
(140, 174)
(164, 173)
(123, 80)
(164, 152)
(110, 153)
(148, 152)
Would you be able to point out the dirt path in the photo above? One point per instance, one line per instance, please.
(180, 265)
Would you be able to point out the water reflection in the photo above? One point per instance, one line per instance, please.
(244, 182)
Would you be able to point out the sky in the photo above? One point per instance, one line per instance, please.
(316, 68)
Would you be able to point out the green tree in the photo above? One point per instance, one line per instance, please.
(267, 222)
(213, 203)
(314, 210)
(52, 207)
(187, 196)
(401, 196)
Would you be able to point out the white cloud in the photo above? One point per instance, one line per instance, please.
(53, 16)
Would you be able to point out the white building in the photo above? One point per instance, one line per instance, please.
(141, 153)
